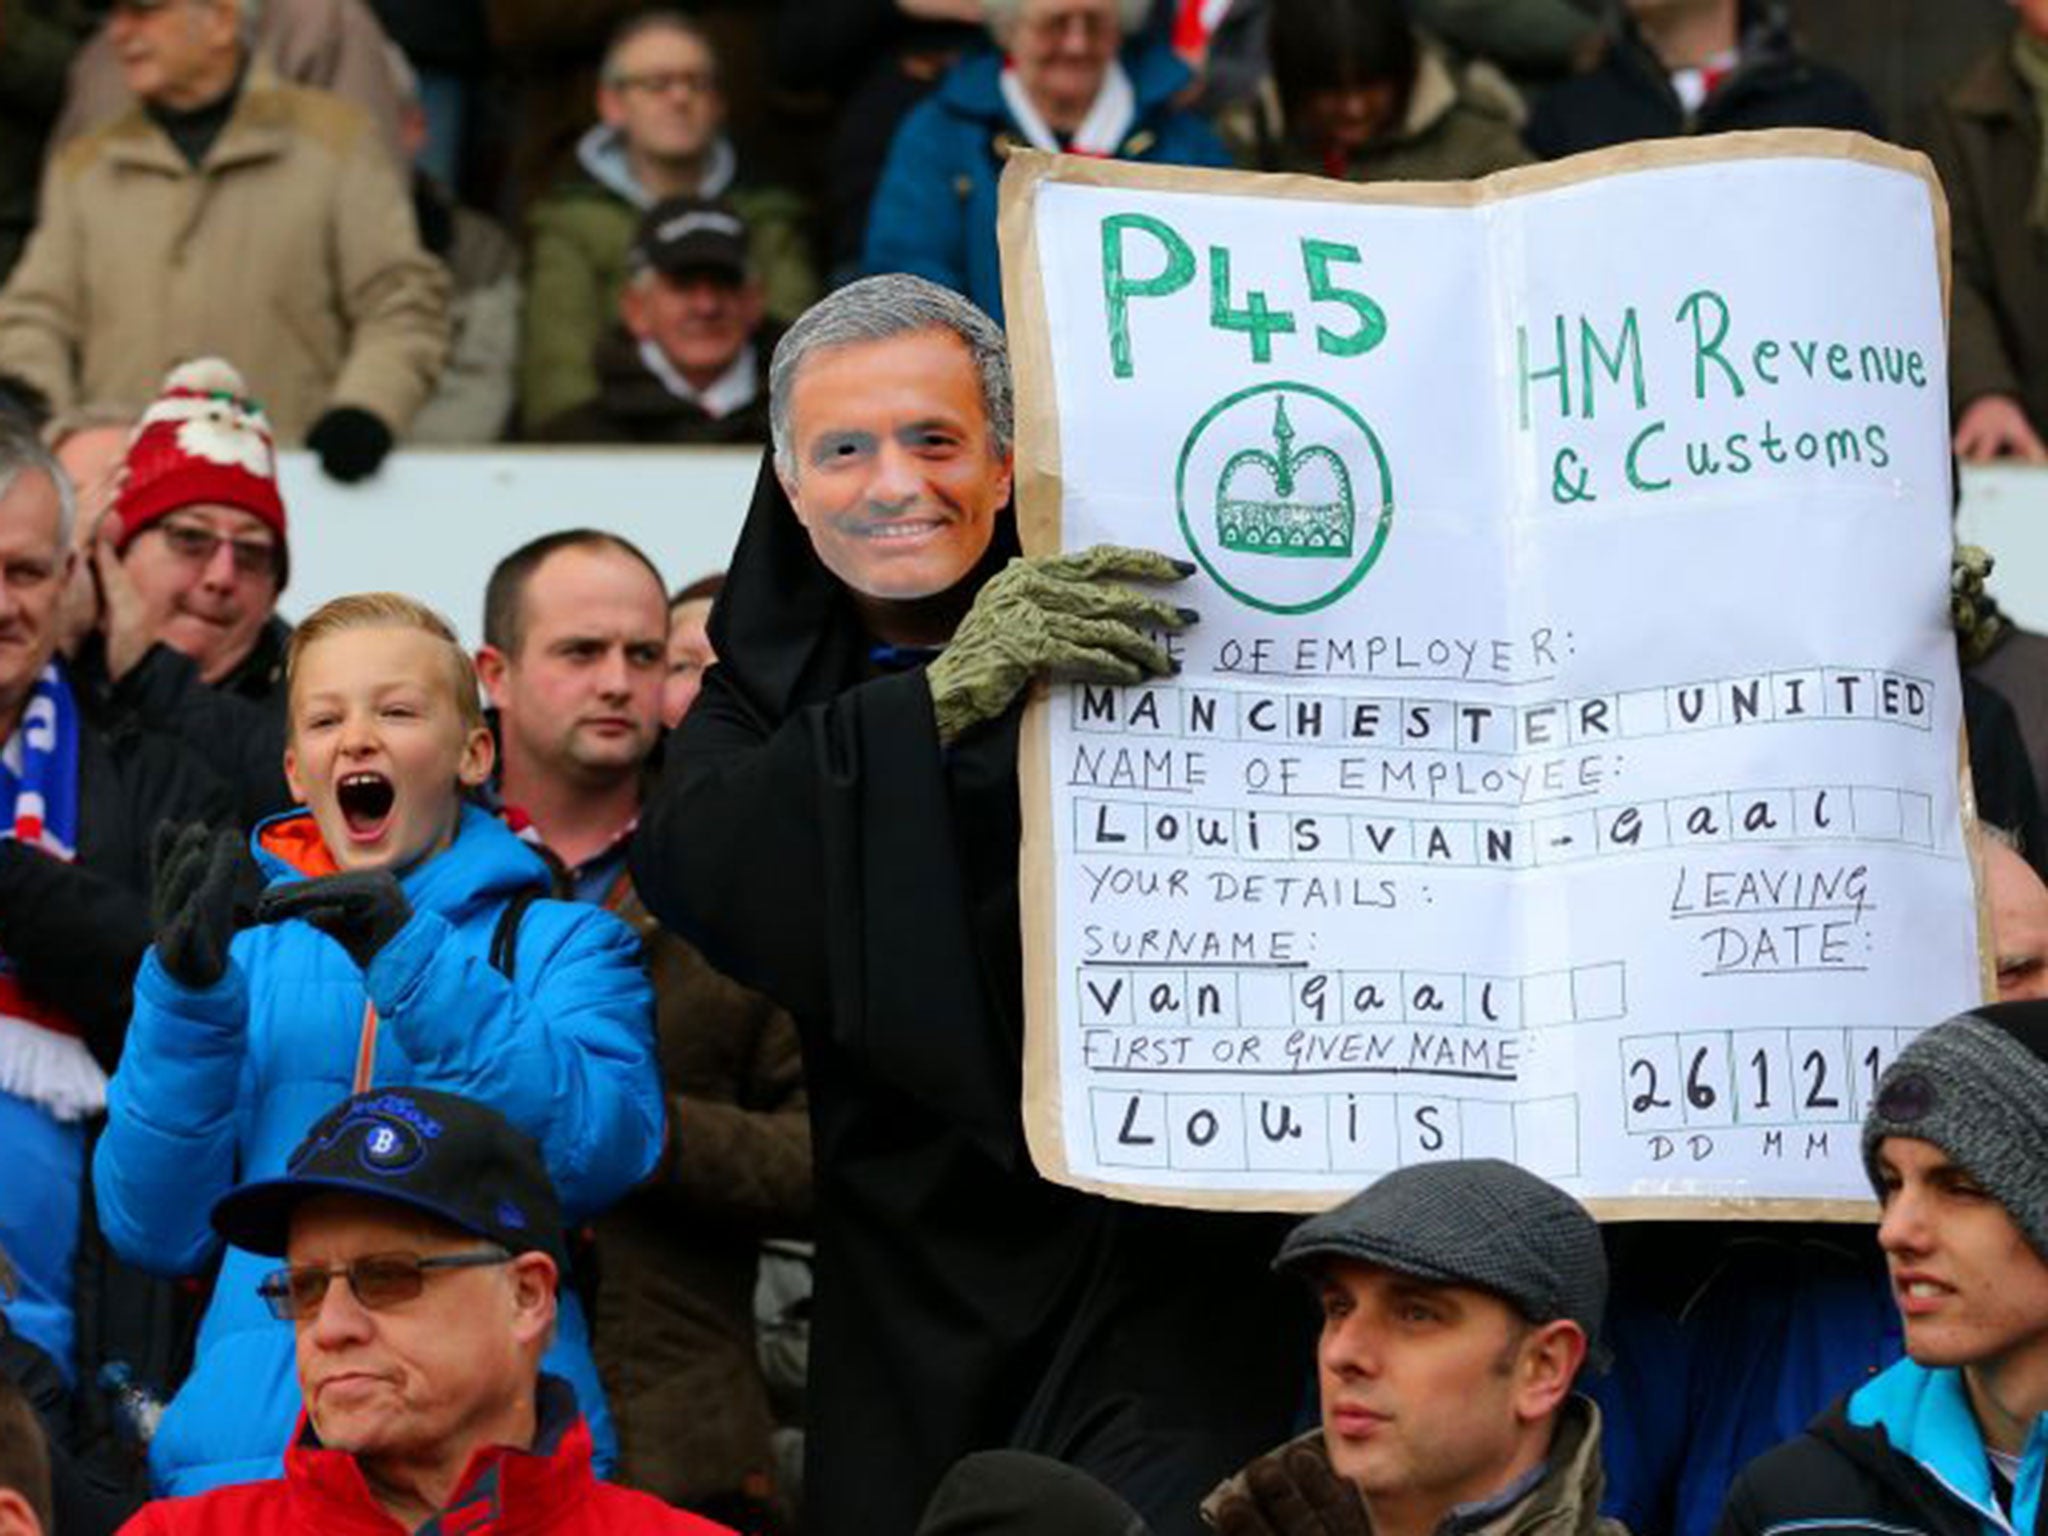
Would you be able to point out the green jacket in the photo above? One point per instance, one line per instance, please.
(1565, 1501)
(1985, 138)
(578, 236)
(37, 39)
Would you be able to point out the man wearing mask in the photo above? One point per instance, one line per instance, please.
(838, 825)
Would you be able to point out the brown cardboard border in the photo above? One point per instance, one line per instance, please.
(1039, 489)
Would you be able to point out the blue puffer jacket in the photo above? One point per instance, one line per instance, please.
(218, 1086)
(934, 211)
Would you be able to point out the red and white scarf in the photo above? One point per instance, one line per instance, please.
(1195, 23)
(42, 1059)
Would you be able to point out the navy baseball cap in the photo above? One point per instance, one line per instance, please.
(681, 235)
(438, 1153)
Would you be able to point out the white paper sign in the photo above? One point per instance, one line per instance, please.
(1565, 765)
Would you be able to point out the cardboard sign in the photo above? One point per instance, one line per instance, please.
(1564, 767)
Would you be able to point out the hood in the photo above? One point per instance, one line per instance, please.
(602, 154)
(1924, 1415)
(484, 867)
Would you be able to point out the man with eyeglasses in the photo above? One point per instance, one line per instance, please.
(660, 134)
(423, 1245)
(231, 211)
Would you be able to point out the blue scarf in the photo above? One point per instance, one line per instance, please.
(39, 770)
(41, 1057)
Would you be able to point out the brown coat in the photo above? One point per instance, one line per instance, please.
(290, 250)
(1985, 137)
(674, 1326)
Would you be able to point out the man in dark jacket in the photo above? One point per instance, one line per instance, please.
(838, 825)
(574, 661)
(78, 806)
(1948, 1441)
(1695, 66)
(1985, 138)
(688, 360)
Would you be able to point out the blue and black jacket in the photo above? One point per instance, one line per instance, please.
(1900, 1456)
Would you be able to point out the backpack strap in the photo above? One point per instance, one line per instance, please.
(505, 937)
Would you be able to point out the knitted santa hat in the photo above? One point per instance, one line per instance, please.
(202, 441)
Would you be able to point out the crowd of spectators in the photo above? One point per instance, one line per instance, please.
(268, 891)
(186, 179)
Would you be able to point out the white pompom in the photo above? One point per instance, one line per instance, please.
(208, 375)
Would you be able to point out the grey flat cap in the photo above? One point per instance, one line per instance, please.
(1478, 1222)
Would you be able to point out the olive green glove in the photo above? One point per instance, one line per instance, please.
(1979, 625)
(1291, 1492)
(1065, 616)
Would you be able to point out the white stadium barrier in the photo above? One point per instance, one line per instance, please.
(434, 522)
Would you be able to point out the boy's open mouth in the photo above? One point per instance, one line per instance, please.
(365, 800)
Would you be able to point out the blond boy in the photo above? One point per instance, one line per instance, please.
(402, 936)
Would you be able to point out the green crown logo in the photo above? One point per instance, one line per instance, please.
(1304, 509)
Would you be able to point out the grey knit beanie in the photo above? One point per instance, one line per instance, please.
(1976, 1086)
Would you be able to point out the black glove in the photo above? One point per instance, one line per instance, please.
(351, 443)
(1292, 1492)
(361, 911)
(192, 903)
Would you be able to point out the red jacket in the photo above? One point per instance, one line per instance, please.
(548, 1491)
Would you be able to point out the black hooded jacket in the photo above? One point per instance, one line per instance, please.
(817, 842)
(235, 726)
(1837, 1476)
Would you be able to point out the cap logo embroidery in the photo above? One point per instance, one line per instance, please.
(1907, 1099)
(390, 1147)
(509, 1215)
